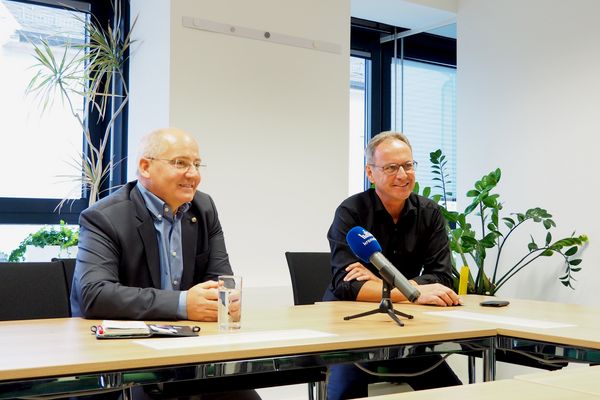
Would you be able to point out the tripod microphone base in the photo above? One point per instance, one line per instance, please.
(385, 307)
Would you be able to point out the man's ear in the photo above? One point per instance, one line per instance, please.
(369, 172)
(144, 167)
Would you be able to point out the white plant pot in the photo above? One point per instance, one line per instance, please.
(47, 253)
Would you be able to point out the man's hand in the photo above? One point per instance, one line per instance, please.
(438, 295)
(360, 273)
(202, 301)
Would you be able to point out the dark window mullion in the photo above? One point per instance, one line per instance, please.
(39, 211)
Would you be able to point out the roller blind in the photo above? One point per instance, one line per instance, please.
(424, 108)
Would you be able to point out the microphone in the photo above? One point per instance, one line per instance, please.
(365, 246)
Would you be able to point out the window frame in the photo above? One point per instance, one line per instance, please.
(42, 211)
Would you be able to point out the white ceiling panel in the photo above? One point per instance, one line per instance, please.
(417, 15)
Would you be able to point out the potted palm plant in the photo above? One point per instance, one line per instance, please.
(96, 72)
(481, 229)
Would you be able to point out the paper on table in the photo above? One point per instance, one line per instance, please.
(530, 323)
(232, 338)
(110, 327)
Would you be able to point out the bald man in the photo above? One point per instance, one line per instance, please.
(153, 249)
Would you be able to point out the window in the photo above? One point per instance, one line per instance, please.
(42, 145)
(359, 102)
(43, 148)
(425, 110)
(411, 84)
(39, 149)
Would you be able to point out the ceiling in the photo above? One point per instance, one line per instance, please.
(437, 17)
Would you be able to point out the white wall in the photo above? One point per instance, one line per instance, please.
(149, 73)
(271, 120)
(528, 103)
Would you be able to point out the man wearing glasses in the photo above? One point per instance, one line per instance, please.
(153, 249)
(412, 234)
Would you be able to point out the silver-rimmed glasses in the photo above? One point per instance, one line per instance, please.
(181, 164)
(392, 169)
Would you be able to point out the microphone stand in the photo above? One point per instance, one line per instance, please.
(385, 307)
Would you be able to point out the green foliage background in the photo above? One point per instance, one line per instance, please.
(493, 231)
(64, 237)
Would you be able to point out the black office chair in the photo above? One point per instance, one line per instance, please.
(310, 274)
(33, 290)
(36, 290)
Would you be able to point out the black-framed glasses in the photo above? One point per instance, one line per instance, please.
(181, 164)
(392, 169)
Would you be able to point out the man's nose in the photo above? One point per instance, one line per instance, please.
(192, 171)
(401, 172)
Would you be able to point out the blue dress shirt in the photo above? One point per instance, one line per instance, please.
(168, 236)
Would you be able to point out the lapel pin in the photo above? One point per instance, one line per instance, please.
(194, 220)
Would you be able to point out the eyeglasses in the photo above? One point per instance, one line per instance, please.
(392, 169)
(180, 164)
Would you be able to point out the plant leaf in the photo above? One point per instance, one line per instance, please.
(571, 251)
(470, 208)
(426, 192)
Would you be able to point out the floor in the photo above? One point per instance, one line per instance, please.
(291, 392)
(300, 392)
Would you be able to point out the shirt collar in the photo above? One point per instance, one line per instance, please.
(409, 205)
(158, 208)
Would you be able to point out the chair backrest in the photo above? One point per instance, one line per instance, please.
(32, 290)
(310, 273)
(69, 266)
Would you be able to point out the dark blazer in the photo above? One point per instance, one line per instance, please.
(117, 274)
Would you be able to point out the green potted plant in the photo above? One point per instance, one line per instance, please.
(471, 243)
(64, 241)
(96, 71)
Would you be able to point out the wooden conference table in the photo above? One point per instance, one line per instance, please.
(60, 355)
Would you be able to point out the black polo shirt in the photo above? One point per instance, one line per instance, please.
(417, 244)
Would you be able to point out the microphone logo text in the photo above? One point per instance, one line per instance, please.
(367, 236)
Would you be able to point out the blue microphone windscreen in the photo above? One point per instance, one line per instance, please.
(362, 243)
